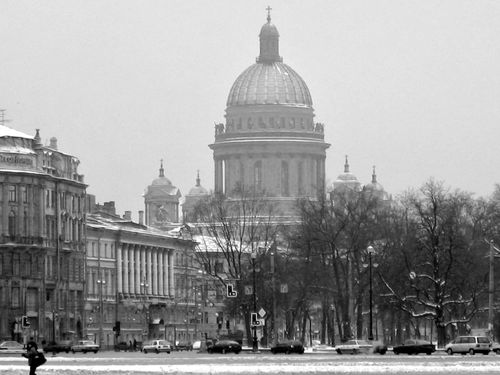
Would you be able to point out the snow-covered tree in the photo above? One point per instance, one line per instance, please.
(440, 257)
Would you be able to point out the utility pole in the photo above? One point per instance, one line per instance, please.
(273, 283)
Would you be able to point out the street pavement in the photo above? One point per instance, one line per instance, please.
(251, 363)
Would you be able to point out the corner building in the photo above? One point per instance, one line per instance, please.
(42, 239)
(269, 141)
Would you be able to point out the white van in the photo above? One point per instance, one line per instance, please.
(469, 344)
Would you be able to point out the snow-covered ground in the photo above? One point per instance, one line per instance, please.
(290, 365)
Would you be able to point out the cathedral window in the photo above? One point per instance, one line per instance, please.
(285, 191)
(242, 174)
(257, 175)
(300, 173)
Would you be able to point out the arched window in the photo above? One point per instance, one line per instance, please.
(257, 175)
(12, 223)
(285, 191)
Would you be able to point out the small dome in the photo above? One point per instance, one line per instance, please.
(198, 189)
(161, 180)
(346, 179)
(269, 29)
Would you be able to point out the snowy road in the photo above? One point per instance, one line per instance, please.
(249, 363)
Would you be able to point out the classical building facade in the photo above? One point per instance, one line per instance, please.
(42, 243)
(144, 280)
(269, 141)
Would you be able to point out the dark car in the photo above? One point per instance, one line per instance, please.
(225, 346)
(415, 347)
(184, 345)
(288, 347)
(122, 345)
(57, 347)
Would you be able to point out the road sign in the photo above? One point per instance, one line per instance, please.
(255, 321)
(262, 312)
(248, 290)
(230, 292)
(284, 288)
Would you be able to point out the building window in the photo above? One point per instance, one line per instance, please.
(25, 223)
(285, 191)
(300, 173)
(219, 267)
(24, 194)
(257, 175)
(12, 223)
(15, 297)
(12, 193)
(15, 264)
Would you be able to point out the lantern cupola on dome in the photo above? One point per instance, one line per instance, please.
(269, 42)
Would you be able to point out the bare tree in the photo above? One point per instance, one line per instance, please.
(440, 256)
(229, 231)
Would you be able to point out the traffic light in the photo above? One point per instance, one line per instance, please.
(220, 320)
(25, 322)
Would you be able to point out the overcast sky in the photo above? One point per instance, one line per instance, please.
(412, 87)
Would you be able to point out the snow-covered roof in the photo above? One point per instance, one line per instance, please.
(5, 131)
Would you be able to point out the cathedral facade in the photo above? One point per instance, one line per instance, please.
(270, 143)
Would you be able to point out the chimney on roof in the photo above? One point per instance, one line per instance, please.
(127, 215)
(109, 207)
(53, 143)
(141, 217)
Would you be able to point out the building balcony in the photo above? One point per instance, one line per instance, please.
(21, 240)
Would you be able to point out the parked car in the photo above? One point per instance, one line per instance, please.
(183, 345)
(11, 347)
(287, 347)
(224, 346)
(415, 347)
(197, 345)
(85, 346)
(469, 344)
(157, 346)
(495, 347)
(361, 346)
(57, 347)
(121, 346)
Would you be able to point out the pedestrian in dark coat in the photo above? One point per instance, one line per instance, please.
(35, 358)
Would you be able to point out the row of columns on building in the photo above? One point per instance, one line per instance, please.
(317, 178)
(145, 270)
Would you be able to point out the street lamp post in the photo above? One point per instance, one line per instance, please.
(255, 345)
(101, 282)
(370, 250)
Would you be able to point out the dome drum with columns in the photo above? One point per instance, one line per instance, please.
(270, 141)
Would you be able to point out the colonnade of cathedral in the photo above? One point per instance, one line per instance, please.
(145, 270)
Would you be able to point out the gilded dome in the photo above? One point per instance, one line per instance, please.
(269, 83)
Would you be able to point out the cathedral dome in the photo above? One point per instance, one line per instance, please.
(269, 81)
